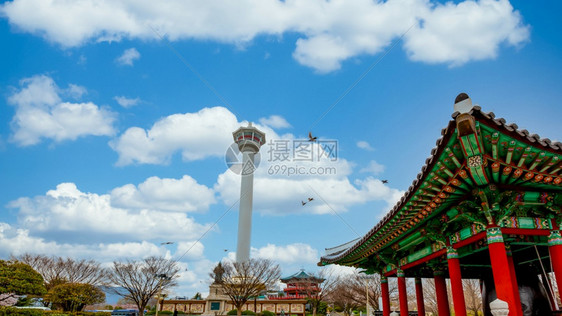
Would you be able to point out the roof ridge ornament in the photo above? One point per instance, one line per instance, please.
(463, 103)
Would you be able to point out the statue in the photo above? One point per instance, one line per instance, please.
(218, 273)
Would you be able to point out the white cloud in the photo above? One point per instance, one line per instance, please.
(128, 57)
(373, 167)
(293, 253)
(76, 91)
(275, 121)
(364, 145)
(178, 195)
(193, 278)
(41, 113)
(279, 185)
(458, 33)
(330, 31)
(67, 222)
(189, 250)
(207, 133)
(68, 210)
(126, 102)
(335, 271)
(16, 241)
(283, 195)
(193, 275)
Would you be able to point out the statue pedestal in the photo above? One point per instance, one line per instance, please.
(216, 301)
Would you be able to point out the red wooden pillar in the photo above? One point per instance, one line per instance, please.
(402, 294)
(456, 281)
(500, 270)
(419, 297)
(441, 293)
(555, 249)
(385, 296)
(513, 278)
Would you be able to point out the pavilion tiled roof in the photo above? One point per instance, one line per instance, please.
(299, 275)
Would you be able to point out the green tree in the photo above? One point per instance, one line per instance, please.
(24, 301)
(74, 296)
(17, 278)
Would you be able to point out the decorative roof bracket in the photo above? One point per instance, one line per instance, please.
(467, 133)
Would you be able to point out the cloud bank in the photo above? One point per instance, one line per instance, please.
(329, 32)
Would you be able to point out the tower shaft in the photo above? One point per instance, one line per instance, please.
(249, 140)
(245, 214)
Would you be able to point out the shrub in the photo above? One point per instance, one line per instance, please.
(5, 311)
(267, 313)
(246, 312)
(12, 311)
(159, 312)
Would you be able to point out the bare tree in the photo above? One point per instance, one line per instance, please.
(141, 280)
(243, 280)
(345, 296)
(58, 270)
(364, 286)
(430, 296)
(326, 282)
(350, 292)
(472, 295)
(369, 286)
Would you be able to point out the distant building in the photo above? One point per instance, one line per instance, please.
(300, 285)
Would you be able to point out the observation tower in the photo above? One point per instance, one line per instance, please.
(249, 140)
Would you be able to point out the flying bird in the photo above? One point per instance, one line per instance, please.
(310, 199)
(167, 243)
(303, 203)
(384, 181)
(311, 138)
(225, 250)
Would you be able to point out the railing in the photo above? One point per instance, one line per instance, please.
(307, 288)
(288, 297)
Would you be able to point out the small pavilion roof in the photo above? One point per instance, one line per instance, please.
(301, 275)
(432, 182)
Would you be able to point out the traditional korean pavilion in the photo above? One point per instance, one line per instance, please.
(301, 285)
(486, 205)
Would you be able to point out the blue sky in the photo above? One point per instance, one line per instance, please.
(115, 117)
